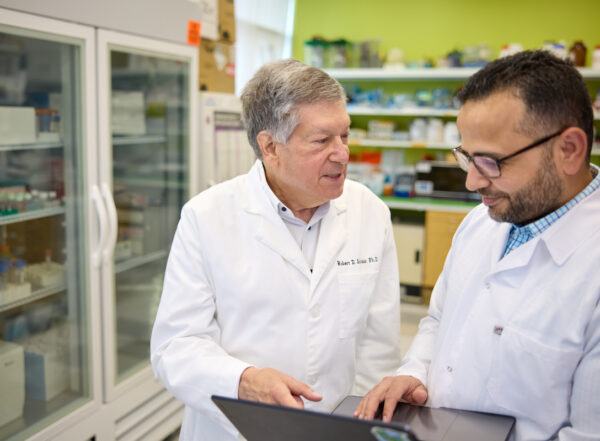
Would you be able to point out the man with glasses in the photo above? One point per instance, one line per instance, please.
(513, 325)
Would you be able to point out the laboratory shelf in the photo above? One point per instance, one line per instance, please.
(393, 144)
(425, 204)
(408, 74)
(409, 111)
(30, 215)
(151, 183)
(31, 146)
(399, 74)
(136, 140)
(135, 262)
(35, 295)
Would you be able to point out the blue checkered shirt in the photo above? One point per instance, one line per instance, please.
(521, 234)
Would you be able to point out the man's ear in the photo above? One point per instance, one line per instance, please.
(573, 150)
(267, 145)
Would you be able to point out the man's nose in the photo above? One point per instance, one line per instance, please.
(475, 180)
(341, 151)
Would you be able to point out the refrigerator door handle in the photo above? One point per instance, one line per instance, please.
(109, 249)
(102, 226)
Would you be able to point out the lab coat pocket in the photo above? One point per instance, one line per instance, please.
(532, 379)
(354, 293)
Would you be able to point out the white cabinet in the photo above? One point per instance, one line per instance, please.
(92, 181)
(49, 289)
(410, 241)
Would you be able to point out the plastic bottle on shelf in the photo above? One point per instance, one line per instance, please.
(3, 275)
(52, 199)
(3, 204)
(19, 268)
(5, 252)
(11, 204)
(44, 199)
(27, 201)
(35, 203)
(20, 202)
(596, 58)
(578, 53)
(48, 259)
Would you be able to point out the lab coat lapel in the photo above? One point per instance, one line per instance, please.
(516, 258)
(332, 236)
(273, 233)
(271, 230)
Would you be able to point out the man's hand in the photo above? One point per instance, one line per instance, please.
(273, 387)
(390, 390)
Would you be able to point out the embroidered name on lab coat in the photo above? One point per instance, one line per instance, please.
(358, 261)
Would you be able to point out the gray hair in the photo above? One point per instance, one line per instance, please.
(271, 98)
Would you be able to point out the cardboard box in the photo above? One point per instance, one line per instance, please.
(216, 66)
(209, 18)
(226, 21)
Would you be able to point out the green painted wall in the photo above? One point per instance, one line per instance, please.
(432, 28)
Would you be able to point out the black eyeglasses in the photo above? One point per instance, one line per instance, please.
(489, 166)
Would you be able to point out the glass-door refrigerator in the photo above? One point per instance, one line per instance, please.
(147, 111)
(49, 339)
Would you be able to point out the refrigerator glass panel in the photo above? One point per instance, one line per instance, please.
(150, 147)
(44, 328)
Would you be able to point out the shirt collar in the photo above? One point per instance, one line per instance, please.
(537, 227)
(520, 234)
(284, 212)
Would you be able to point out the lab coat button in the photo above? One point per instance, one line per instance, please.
(315, 311)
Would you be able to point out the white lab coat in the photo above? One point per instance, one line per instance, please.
(518, 335)
(238, 292)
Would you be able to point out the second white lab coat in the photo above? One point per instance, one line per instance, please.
(518, 335)
(239, 292)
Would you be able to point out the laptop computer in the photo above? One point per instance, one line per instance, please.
(265, 422)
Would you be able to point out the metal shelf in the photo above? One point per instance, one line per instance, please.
(31, 146)
(389, 143)
(421, 204)
(142, 139)
(412, 111)
(30, 215)
(35, 295)
(364, 74)
(150, 183)
(135, 262)
(452, 73)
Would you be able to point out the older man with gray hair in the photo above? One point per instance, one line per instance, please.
(282, 284)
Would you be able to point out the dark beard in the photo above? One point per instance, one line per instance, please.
(540, 197)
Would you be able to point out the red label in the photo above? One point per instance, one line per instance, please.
(193, 33)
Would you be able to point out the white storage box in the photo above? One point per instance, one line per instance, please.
(46, 363)
(13, 292)
(46, 375)
(45, 274)
(12, 382)
(17, 125)
(128, 116)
